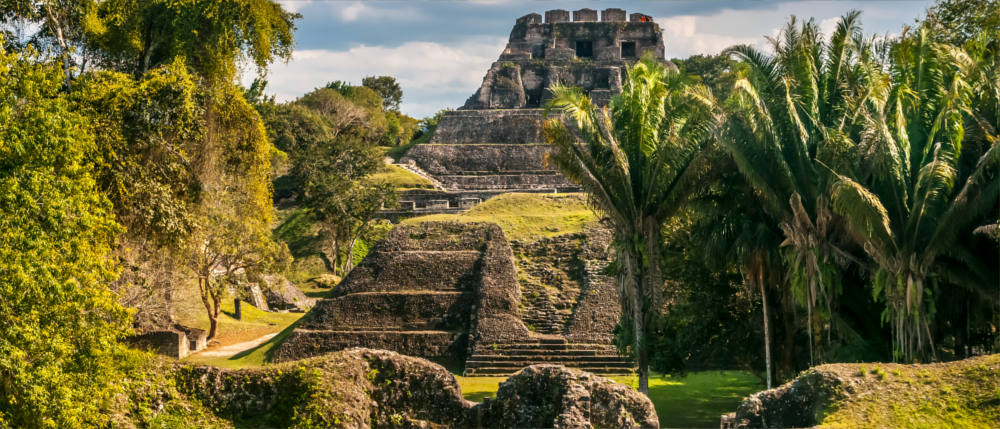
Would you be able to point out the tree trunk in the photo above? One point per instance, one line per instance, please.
(788, 345)
(349, 263)
(213, 317)
(631, 290)
(767, 331)
(651, 281)
(809, 320)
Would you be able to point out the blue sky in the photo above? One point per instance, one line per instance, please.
(439, 50)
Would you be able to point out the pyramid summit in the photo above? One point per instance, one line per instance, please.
(493, 144)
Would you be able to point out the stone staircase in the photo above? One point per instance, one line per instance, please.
(506, 359)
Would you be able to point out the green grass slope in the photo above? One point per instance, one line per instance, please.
(962, 394)
(525, 216)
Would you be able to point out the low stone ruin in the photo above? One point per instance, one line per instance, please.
(494, 143)
(450, 292)
(377, 388)
(178, 341)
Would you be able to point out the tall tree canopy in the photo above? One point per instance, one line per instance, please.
(61, 325)
(638, 160)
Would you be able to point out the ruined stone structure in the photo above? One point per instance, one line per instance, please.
(177, 341)
(494, 143)
(450, 291)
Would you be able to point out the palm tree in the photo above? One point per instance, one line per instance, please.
(638, 160)
(793, 112)
(913, 199)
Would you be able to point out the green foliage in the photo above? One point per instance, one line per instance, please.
(330, 136)
(387, 88)
(958, 21)
(59, 347)
(136, 36)
(638, 164)
(148, 133)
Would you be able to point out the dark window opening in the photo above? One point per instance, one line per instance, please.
(584, 49)
(628, 49)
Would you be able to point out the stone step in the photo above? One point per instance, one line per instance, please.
(397, 310)
(550, 347)
(577, 364)
(573, 354)
(520, 360)
(500, 371)
(429, 343)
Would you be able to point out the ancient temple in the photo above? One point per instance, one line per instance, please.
(494, 144)
(450, 292)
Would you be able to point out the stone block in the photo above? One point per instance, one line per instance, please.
(405, 311)
(560, 54)
(613, 15)
(197, 339)
(640, 17)
(168, 343)
(468, 203)
(556, 15)
(585, 15)
(437, 204)
(531, 18)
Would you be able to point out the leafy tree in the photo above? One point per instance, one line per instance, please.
(232, 235)
(638, 162)
(214, 35)
(426, 127)
(331, 141)
(387, 88)
(957, 21)
(717, 72)
(912, 201)
(59, 346)
(790, 117)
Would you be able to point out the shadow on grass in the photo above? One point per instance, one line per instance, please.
(700, 398)
(269, 346)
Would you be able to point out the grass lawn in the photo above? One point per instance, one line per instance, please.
(400, 178)
(695, 400)
(526, 216)
(254, 323)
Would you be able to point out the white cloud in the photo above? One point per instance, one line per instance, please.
(353, 11)
(828, 26)
(374, 12)
(294, 5)
(683, 37)
(432, 75)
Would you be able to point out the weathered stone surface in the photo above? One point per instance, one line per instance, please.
(282, 295)
(366, 388)
(425, 290)
(494, 142)
(553, 396)
(564, 288)
(489, 126)
(177, 341)
(798, 403)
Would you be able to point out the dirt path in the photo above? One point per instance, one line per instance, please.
(234, 349)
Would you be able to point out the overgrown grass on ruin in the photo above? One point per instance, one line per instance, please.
(400, 178)
(695, 400)
(526, 216)
(963, 394)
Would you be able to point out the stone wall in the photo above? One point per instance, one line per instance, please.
(489, 126)
(565, 289)
(539, 54)
(424, 291)
(451, 291)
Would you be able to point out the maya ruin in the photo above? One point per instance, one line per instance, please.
(499, 214)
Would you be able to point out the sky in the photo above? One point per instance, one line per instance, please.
(440, 50)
